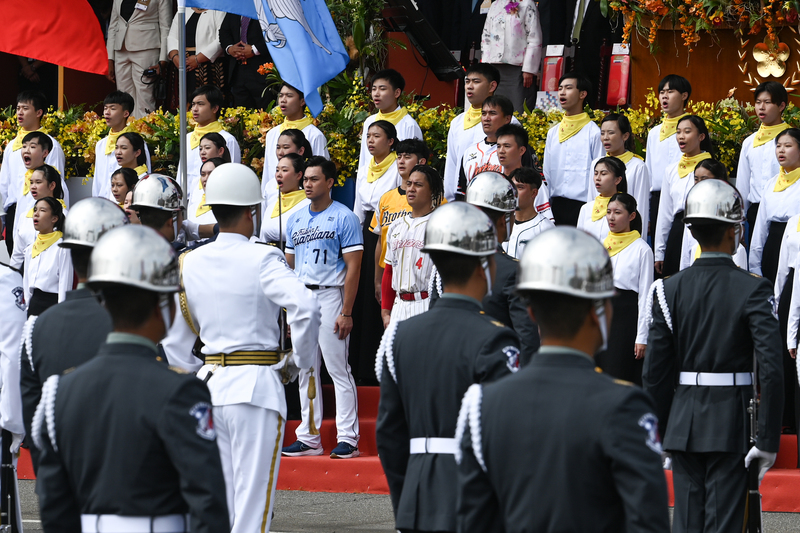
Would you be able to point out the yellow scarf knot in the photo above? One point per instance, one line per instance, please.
(199, 131)
(376, 170)
(786, 179)
(394, 117)
(616, 242)
(287, 201)
(472, 117)
(141, 169)
(600, 207)
(202, 209)
(18, 139)
(111, 143)
(571, 125)
(686, 165)
(668, 127)
(26, 185)
(43, 242)
(29, 214)
(296, 124)
(766, 133)
(626, 156)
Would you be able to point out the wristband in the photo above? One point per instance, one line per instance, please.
(346, 316)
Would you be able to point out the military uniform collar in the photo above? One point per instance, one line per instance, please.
(457, 299)
(714, 258)
(81, 293)
(116, 337)
(225, 236)
(559, 353)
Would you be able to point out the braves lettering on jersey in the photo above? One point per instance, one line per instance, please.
(411, 267)
(319, 241)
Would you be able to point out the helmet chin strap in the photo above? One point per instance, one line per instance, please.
(485, 265)
(600, 311)
(737, 238)
(166, 315)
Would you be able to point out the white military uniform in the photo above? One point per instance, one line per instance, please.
(638, 179)
(407, 128)
(757, 165)
(522, 232)
(234, 291)
(12, 172)
(105, 165)
(673, 199)
(50, 271)
(566, 165)
(195, 163)
(411, 267)
(775, 207)
(319, 146)
(12, 309)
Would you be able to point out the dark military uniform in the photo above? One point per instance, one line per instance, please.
(135, 438)
(716, 316)
(436, 356)
(563, 447)
(64, 336)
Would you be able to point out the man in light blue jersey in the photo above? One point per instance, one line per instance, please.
(324, 246)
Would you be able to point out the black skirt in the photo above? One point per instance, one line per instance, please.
(41, 301)
(791, 409)
(672, 253)
(619, 360)
(772, 250)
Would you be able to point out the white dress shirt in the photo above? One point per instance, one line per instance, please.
(660, 156)
(633, 271)
(105, 166)
(50, 271)
(566, 165)
(775, 207)
(790, 247)
(756, 167)
(274, 229)
(597, 228)
(368, 195)
(195, 163)
(689, 252)
(12, 309)
(673, 200)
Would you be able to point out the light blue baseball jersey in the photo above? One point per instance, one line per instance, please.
(318, 242)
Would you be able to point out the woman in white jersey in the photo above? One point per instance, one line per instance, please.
(48, 267)
(609, 179)
(404, 287)
(289, 175)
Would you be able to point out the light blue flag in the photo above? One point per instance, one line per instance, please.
(304, 44)
(237, 7)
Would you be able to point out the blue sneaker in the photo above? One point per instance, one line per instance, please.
(298, 448)
(344, 451)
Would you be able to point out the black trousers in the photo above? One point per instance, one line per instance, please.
(565, 210)
(710, 492)
(752, 213)
(655, 200)
(249, 88)
(10, 213)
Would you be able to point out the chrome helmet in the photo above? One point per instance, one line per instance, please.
(89, 219)
(158, 192)
(136, 256)
(492, 190)
(567, 261)
(460, 228)
(714, 201)
(233, 184)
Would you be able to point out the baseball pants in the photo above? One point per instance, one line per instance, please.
(334, 351)
(128, 68)
(403, 309)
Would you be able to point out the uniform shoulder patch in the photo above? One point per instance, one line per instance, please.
(178, 369)
(649, 422)
(623, 382)
(201, 412)
(19, 297)
(512, 358)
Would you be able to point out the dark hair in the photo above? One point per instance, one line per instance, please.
(227, 215)
(700, 124)
(328, 167)
(617, 167)
(715, 167)
(556, 314)
(293, 88)
(152, 217)
(216, 161)
(394, 78)
(434, 181)
(298, 163)
(137, 143)
(129, 307)
(776, 91)
(708, 235)
(220, 142)
(213, 94)
(500, 102)
(677, 83)
(389, 129)
(453, 268)
(80, 260)
(298, 139)
(41, 138)
(122, 98)
(51, 175)
(527, 175)
(624, 126)
(486, 70)
(129, 175)
(519, 133)
(35, 98)
(58, 211)
(629, 203)
(794, 133)
(417, 147)
(582, 82)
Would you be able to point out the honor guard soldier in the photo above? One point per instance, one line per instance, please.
(425, 364)
(703, 382)
(128, 443)
(70, 333)
(234, 292)
(588, 455)
(157, 203)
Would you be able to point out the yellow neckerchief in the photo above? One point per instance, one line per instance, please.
(625, 157)
(697, 252)
(111, 143)
(600, 207)
(199, 131)
(288, 201)
(686, 165)
(616, 242)
(786, 179)
(472, 117)
(202, 209)
(375, 170)
(26, 184)
(18, 139)
(296, 124)
(394, 117)
(43, 242)
(570, 126)
(766, 133)
(669, 126)
(122, 205)
(141, 169)
(30, 211)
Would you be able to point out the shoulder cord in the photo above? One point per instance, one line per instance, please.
(26, 342)
(46, 411)
(657, 288)
(182, 298)
(435, 282)
(470, 412)
(385, 351)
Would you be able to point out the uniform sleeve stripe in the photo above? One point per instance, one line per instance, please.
(354, 248)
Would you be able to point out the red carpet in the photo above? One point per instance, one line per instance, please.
(780, 488)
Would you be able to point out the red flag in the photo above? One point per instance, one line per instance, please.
(65, 33)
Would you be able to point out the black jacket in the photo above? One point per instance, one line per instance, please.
(230, 33)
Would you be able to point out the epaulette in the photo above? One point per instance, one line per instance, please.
(178, 369)
(498, 323)
(623, 382)
(754, 274)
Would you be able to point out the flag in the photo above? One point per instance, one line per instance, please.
(246, 8)
(63, 33)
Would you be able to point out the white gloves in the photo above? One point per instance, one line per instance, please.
(287, 369)
(16, 442)
(192, 229)
(767, 459)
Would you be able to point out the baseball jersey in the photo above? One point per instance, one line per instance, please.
(477, 159)
(411, 267)
(319, 241)
(393, 206)
(522, 232)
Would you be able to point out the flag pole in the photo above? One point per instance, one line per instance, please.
(182, 99)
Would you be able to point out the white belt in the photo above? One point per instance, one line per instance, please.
(111, 523)
(715, 379)
(432, 445)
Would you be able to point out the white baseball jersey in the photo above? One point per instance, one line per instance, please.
(522, 232)
(411, 267)
(477, 158)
